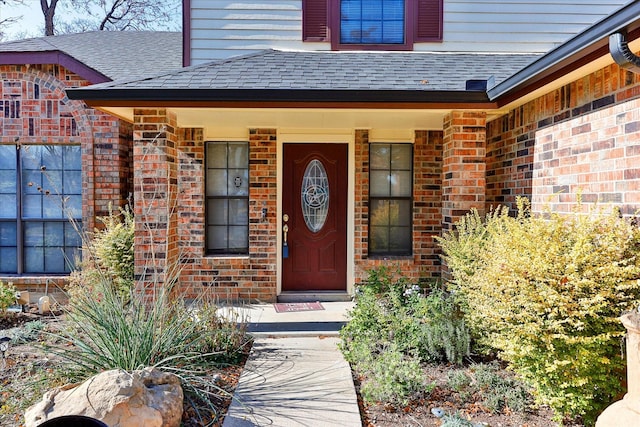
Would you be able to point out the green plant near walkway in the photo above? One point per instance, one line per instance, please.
(394, 323)
(546, 292)
(7, 296)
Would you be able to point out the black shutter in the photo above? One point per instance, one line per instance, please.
(315, 19)
(428, 20)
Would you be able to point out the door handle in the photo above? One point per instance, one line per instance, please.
(285, 230)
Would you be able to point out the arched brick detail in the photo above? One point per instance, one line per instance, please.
(35, 109)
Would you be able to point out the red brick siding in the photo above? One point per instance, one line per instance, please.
(35, 109)
(427, 208)
(580, 137)
(463, 169)
(251, 277)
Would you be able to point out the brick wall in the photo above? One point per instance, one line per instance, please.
(34, 109)
(427, 208)
(249, 277)
(464, 165)
(582, 137)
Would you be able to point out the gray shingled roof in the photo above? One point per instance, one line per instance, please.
(115, 54)
(323, 70)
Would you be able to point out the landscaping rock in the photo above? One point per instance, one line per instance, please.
(147, 397)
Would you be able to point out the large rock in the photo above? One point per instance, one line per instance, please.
(148, 397)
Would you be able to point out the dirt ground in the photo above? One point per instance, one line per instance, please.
(419, 414)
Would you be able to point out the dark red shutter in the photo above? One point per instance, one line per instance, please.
(428, 20)
(315, 18)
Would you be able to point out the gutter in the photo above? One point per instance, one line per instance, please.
(592, 41)
(167, 97)
(620, 52)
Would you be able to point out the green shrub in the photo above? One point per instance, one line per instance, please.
(7, 297)
(109, 255)
(395, 324)
(546, 292)
(393, 378)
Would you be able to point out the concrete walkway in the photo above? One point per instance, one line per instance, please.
(295, 374)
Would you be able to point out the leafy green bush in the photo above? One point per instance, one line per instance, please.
(7, 297)
(546, 292)
(394, 323)
(393, 378)
(109, 254)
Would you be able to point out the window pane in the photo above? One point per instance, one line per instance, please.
(238, 238)
(239, 212)
(8, 205)
(7, 181)
(31, 181)
(238, 182)
(51, 207)
(72, 182)
(217, 211)
(54, 260)
(238, 156)
(401, 184)
(216, 182)
(379, 212)
(32, 206)
(52, 182)
(34, 234)
(380, 156)
(217, 238)
(8, 259)
(400, 240)
(34, 260)
(401, 157)
(71, 237)
(53, 234)
(73, 207)
(372, 10)
(216, 155)
(31, 157)
(379, 184)
(8, 157)
(378, 240)
(72, 157)
(400, 212)
(51, 157)
(8, 235)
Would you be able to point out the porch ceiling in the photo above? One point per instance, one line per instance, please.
(216, 121)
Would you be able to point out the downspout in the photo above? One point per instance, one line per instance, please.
(622, 55)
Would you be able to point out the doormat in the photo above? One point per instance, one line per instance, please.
(289, 307)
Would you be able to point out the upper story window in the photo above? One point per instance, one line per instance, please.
(372, 24)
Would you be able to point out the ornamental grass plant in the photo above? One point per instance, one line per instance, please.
(545, 291)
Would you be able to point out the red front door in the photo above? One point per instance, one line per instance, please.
(314, 205)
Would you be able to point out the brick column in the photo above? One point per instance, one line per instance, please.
(464, 165)
(155, 194)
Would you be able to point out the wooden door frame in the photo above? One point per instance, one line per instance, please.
(341, 136)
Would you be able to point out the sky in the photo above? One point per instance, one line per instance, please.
(32, 22)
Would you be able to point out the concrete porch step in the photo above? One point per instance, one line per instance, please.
(312, 296)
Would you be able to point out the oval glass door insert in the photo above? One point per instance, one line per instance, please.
(315, 195)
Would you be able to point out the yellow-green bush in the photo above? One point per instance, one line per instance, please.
(546, 292)
(7, 296)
